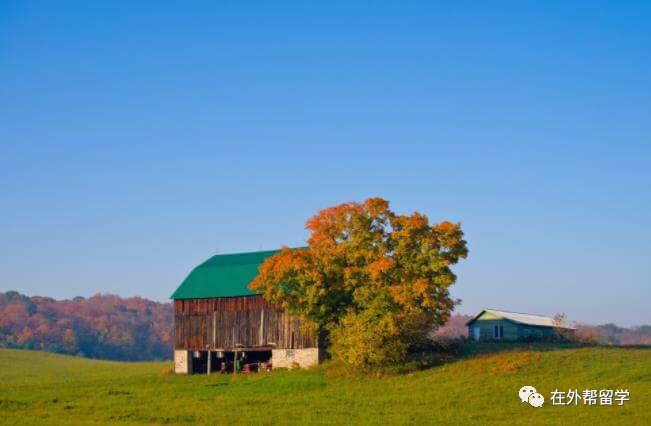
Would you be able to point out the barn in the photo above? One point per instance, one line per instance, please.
(494, 325)
(221, 325)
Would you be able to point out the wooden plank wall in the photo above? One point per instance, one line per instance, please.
(232, 322)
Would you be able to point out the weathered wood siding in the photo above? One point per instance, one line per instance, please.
(530, 332)
(236, 322)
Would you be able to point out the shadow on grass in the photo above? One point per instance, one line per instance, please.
(437, 353)
(469, 349)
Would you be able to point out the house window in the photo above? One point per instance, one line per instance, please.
(498, 332)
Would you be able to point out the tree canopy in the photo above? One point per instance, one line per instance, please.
(372, 280)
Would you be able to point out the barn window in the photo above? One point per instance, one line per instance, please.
(496, 332)
(501, 331)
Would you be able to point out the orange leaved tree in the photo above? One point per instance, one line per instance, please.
(373, 281)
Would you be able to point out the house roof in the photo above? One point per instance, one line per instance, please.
(223, 275)
(520, 318)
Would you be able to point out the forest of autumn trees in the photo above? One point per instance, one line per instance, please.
(137, 329)
(102, 326)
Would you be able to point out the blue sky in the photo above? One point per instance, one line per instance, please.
(139, 138)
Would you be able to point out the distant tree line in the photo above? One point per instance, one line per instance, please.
(610, 334)
(137, 329)
(102, 326)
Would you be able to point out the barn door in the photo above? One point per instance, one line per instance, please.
(476, 332)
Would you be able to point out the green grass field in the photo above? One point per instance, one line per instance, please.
(43, 388)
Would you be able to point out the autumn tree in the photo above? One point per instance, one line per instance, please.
(561, 330)
(374, 281)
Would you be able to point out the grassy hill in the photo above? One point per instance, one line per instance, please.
(44, 388)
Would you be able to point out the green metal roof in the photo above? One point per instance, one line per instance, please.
(223, 275)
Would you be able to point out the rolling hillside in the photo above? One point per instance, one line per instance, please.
(480, 389)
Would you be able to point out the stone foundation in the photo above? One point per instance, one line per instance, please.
(280, 358)
(290, 358)
(182, 360)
